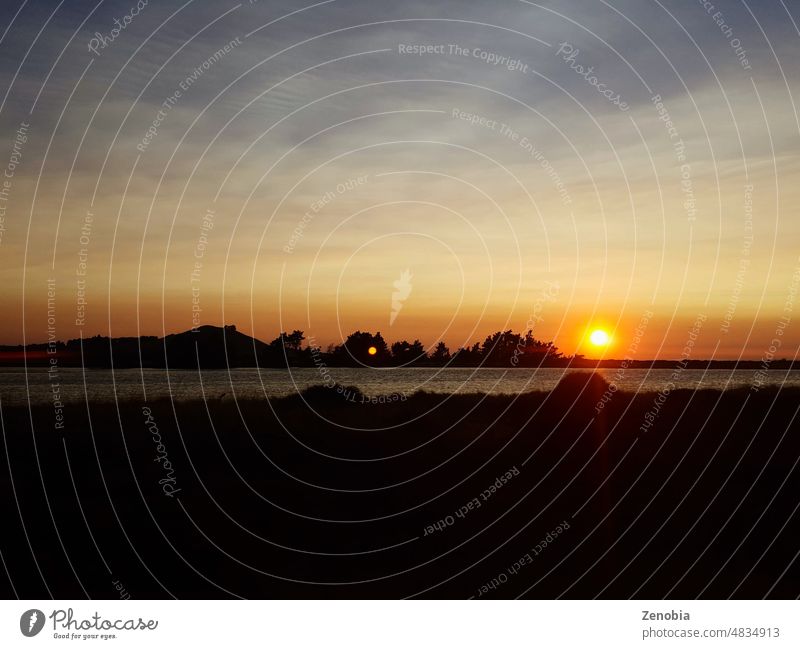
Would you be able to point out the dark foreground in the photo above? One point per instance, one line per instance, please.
(536, 496)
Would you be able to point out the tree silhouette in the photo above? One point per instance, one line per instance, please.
(466, 357)
(286, 349)
(290, 342)
(356, 349)
(441, 354)
(406, 353)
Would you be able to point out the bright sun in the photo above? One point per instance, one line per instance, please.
(372, 351)
(599, 338)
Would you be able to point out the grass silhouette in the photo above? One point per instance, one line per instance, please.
(322, 495)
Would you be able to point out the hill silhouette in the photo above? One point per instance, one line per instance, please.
(206, 346)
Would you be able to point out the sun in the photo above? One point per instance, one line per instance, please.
(599, 338)
(372, 351)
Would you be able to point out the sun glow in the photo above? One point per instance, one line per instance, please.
(599, 338)
(372, 351)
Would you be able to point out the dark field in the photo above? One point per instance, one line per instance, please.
(283, 500)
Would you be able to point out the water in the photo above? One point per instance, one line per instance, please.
(132, 384)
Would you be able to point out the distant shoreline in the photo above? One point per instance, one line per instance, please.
(211, 347)
(71, 361)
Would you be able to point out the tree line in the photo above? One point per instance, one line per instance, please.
(500, 349)
(218, 347)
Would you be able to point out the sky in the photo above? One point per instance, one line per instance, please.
(428, 170)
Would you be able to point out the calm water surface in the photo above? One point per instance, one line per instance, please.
(132, 384)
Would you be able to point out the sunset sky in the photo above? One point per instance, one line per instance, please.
(302, 156)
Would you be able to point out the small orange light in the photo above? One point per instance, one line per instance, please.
(372, 351)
